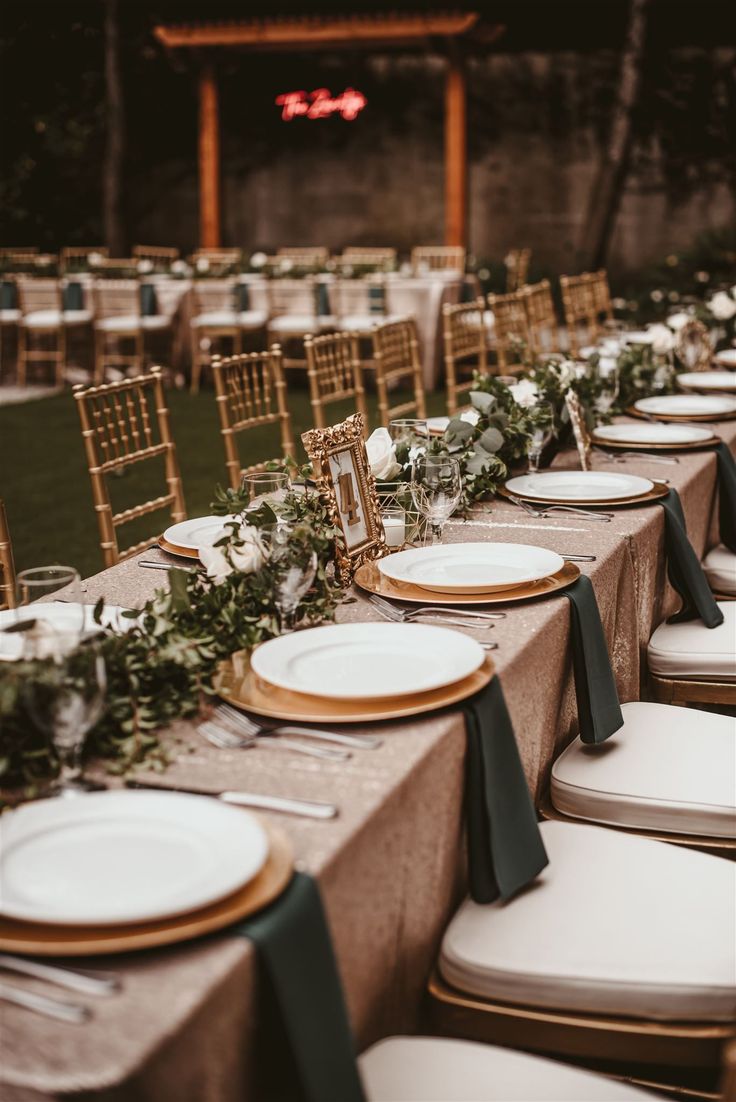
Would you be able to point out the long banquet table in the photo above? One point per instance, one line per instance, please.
(391, 867)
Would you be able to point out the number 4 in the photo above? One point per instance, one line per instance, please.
(348, 501)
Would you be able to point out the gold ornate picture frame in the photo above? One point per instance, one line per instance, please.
(580, 429)
(693, 347)
(346, 485)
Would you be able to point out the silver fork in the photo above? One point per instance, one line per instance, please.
(394, 615)
(409, 614)
(225, 739)
(244, 723)
(44, 1004)
(620, 457)
(88, 983)
(545, 510)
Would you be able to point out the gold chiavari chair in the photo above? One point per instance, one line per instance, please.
(19, 253)
(74, 255)
(117, 322)
(157, 254)
(7, 566)
(601, 295)
(396, 360)
(511, 332)
(311, 256)
(251, 392)
(335, 374)
(293, 312)
(579, 306)
(218, 256)
(466, 348)
(516, 262)
(368, 257)
(214, 319)
(438, 258)
(544, 330)
(41, 321)
(122, 424)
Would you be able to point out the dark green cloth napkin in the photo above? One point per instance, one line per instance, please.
(683, 568)
(72, 297)
(306, 1046)
(8, 295)
(376, 299)
(726, 496)
(323, 299)
(599, 710)
(242, 297)
(149, 305)
(505, 848)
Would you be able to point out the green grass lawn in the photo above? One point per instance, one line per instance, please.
(46, 487)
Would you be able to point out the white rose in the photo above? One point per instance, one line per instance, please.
(568, 372)
(676, 321)
(286, 265)
(145, 266)
(95, 259)
(722, 306)
(662, 339)
(382, 455)
(221, 562)
(258, 260)
(216, 563)
(180, 267)
(606, 365)
(524, 393)
(203, 264)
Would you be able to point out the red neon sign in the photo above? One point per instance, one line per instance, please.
(320, 104)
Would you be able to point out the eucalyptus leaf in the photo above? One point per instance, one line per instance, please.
(482, 401)
(491, 440)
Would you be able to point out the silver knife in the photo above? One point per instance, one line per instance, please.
(310, 809)
(44, 1004)
(88, 983)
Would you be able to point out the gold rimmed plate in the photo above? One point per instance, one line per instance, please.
(370, 578)
(657, 491)
(44, 940)
(640, 446)
(681, 418)
(173, 549)
(236, 683)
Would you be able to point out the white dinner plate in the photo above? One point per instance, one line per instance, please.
(197, 532)
(637, 336)
(707, 380)
(437, 424)
(367, 661)
(471, 567)
(726, 358)
(687, 405)
(116, 857)
(61, 616)
(653, 432)
(578, 486)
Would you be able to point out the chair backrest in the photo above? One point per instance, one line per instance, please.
(212, 295)
(438, 258)
(38, 294)
(517, 268)
(218, 256)
(125, 423)
(155, 253)
(315, 255)
(396, 359)
(250, 391)
(19, 252)
(466, 347)
(335, 375)
(579, 305)
(115, 298)
(601, 294)
(292, 296)
(511, 330)
(368, 256)
(7, 566)
(541, 317)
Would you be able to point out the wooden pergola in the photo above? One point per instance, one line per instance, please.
(431, 31)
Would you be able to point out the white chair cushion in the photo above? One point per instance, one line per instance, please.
(155, 321)
(124, 323)
(667, 768)
(42, 319)
(720, 570)
(693, 650)
(489, 320)
(252, 319)
(616, 924)
(9, 317)
(437, 1069)
(366, 322)
(215, 318)
(294, 323)
(77, 317)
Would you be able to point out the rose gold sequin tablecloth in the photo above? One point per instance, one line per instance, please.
(390, 868)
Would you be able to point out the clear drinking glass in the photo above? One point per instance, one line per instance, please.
(293, 567)
(410, 438)
(542, 416)
(436, 488)
(265, 485)
(609, 382)
(63, 632)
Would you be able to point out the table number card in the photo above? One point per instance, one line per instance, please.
(344, 481)
(580, 429)
(693, 347)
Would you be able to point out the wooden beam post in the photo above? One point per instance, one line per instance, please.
(456, 153)
(209, 159)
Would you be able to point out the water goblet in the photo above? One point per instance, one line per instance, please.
(293, 566)
(410, 438)
(436, 488)
(265, 486)
(542, 418)
(608, 379)
(42, 583)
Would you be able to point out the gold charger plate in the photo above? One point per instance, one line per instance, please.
(370, 578)
(44, 940)
(657, 491)
(680, 417)
(688, 446)
(236, 683)
(174, 549)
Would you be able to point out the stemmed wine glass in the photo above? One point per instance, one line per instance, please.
(64, 691)
(410, 438)
(609, 383)
(293, 566)
(436, 488)
(542, 417)
(267, 486)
